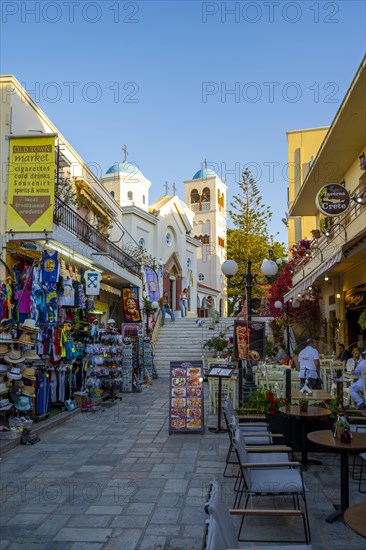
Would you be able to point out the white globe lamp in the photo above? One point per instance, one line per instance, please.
(229, 268)
(269, 268)
(278, 304)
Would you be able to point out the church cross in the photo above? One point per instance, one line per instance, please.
(125, 153)
(166, 188)
(174, 189)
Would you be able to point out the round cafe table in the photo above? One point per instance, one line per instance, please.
(355, 518)
(312, 412)
(358, 443)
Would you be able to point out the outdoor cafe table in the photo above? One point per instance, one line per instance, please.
(312, 412)
(355, 518)
(358, 443)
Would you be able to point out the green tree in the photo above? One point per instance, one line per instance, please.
(250, 238)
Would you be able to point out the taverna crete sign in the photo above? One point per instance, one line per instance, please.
(332, 200)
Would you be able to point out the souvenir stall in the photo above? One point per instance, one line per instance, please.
(53, 353)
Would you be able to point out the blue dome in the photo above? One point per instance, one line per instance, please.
(124, 167)
(204, 174)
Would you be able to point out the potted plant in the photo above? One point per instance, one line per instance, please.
(303, 404)
(362, 320)
(217, 343)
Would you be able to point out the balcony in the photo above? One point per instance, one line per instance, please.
(200, 207)
(66, 217)
(342, 230)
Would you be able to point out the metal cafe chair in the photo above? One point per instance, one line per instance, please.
(247, 427)
(220, 527)
(277, 479)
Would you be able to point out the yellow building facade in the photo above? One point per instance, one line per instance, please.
(336, 262)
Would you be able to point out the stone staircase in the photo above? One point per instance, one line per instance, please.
(183, 340)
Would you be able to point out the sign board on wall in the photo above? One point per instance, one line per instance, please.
(31, 184)
(186, 412)
(332, 200)
(249, 340)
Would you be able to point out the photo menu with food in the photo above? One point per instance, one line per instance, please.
(249, 340)
(186, 397)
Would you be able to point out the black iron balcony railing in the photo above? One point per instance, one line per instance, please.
(67, 218)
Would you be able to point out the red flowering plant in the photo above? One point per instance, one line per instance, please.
(265, 402)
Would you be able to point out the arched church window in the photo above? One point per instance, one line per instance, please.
(130, 195)
(112, 193)
(206, 195)
(195, 198)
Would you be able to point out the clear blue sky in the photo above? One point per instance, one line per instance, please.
(156, 76)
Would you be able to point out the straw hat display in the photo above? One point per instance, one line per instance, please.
(6, 338)
(3, 369)
(14, 356)
(19, 383)
(29, 390)
(31, 355)
(5, 405)
(29, 325)
(14, 373)
(4, 349)
(6, 324)
(26, 339)
(3, 388)
(29, 373)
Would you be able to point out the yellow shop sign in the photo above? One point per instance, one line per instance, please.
(31, 189)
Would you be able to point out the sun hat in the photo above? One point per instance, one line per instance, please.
(111, 322)
(19, 383)
(28, 390)
(29, 325)
(30, 355)
(3, 369)
(3, 388)
(14, 356)
(6, 338)
(5, 324)
(23, 404)
(4, 349)
(26, 339)
(29, 373)
(14, 373)
(5, 405)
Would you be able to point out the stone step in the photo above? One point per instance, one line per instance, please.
(183, 340)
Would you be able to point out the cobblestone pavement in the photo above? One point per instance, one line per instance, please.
(116, 480)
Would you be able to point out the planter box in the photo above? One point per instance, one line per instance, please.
(290, 427)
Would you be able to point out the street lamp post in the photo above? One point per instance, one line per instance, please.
(269, 269)
(279, 305)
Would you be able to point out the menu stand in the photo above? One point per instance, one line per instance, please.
(219, 373)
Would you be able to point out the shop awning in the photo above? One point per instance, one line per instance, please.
(309, 280)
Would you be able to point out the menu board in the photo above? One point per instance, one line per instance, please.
(186, 412)
(249, 340)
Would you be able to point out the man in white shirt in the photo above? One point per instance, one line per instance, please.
(310, 366)
(357, 387)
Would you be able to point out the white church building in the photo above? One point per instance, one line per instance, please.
(188, 238)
